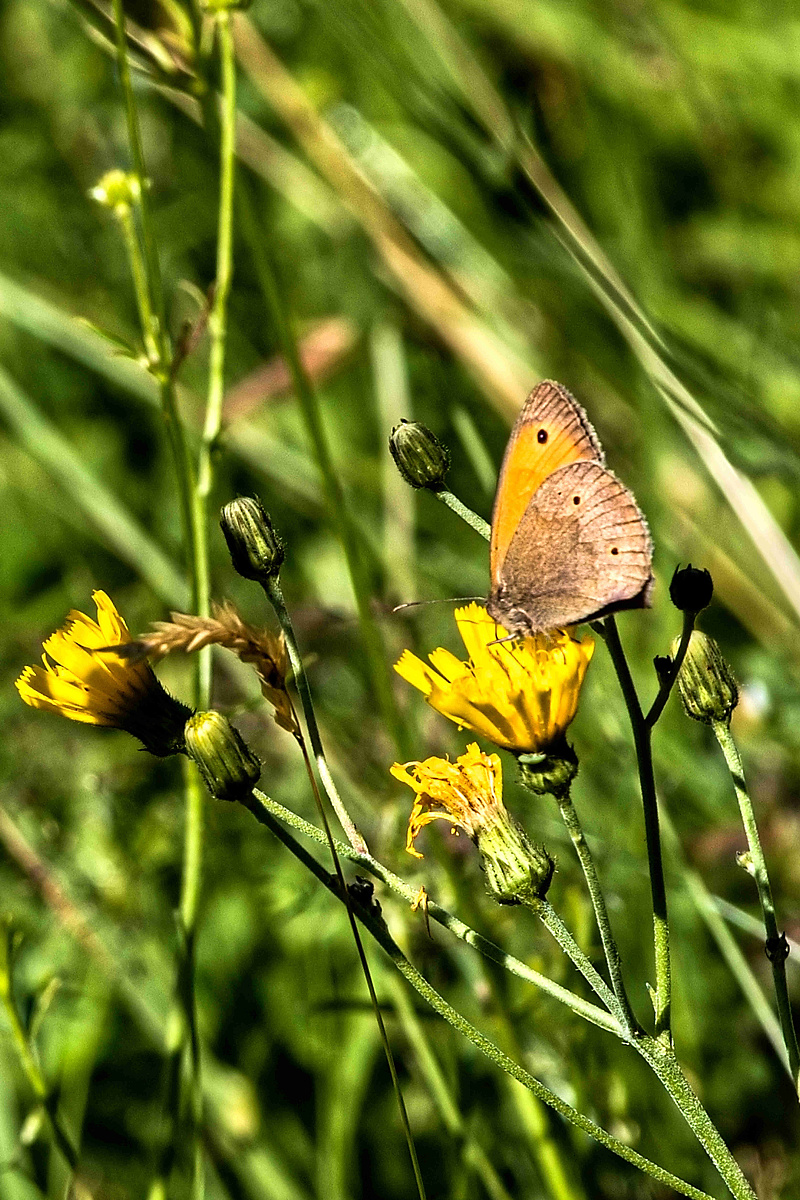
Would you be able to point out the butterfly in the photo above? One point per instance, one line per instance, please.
(569, 543)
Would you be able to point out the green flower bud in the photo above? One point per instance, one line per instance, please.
(419, 456)
(516, 870)
(691, 589)
(116, 190)
(255, 548)
(706, 684)
(228, 766)
(551, 773)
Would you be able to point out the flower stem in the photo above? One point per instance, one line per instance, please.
(575, 830)
(145, 263)
(377, 927)
(554, 925)
(590, 1012)
(152, 265)
(472, 519)
(275, 596)
(776, 947)
(667, 684)
(644, 756)
(218, 316)
(345, 526)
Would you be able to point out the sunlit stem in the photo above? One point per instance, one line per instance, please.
(275, 596)
(150, 297)
(377, 927)
(460, 509)
(575, 830)
(776, 946)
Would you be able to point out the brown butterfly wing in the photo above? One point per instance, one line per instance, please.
(582, 549)
(551, 431)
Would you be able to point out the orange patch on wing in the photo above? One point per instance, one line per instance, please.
(527, 463)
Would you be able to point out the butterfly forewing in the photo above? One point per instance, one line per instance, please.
(551, 431)
(582, 548)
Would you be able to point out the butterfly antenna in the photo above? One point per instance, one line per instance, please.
(448, 600)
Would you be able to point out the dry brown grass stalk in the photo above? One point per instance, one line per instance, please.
(258, 647)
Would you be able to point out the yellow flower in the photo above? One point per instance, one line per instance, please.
(86, 681)
(519, 694)
(469, 794)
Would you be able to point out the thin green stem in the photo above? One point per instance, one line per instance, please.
(555, 926)
(590, 1012)
(312, 416)
(377, 927)
(253, 804)
(575, 830)
(151, 306)
(473, 1153)
(275, 596)
(472, 519)
(644, 758)
(124, 214)
(218, 317)
(153, 267)
(776, 946)
(27, 1057)
(668, 682)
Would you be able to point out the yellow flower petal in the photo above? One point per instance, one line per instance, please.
(82, 680)
(521, 694)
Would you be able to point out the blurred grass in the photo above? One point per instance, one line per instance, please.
(395, 174)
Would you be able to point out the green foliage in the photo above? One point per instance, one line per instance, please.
(438, 293)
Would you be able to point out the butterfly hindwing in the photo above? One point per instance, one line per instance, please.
(581, 549)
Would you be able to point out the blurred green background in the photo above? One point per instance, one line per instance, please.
(443, 219)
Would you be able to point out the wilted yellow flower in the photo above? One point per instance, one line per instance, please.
(469, 794)
(86, 681)
(466, 793)
(519, 694)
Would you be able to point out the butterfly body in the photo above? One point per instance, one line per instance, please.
(569, 542)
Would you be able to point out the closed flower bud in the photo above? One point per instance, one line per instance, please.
(549, 774)
(691, 589)
(516, 870)
(228, 766)
(706, 684)
(255, 548)
(116, 190)
(420, 457)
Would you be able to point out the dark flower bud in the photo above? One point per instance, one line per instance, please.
(420, 457)
(255, 548)
(549, 774)
(229, 768)
(663, 665)
(691, 589)
(516, 870)
(706, 684)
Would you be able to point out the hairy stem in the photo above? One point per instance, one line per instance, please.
(776, 946)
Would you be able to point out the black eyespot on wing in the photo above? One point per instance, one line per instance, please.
(576, 499)
(541, 436)
(614, 550)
